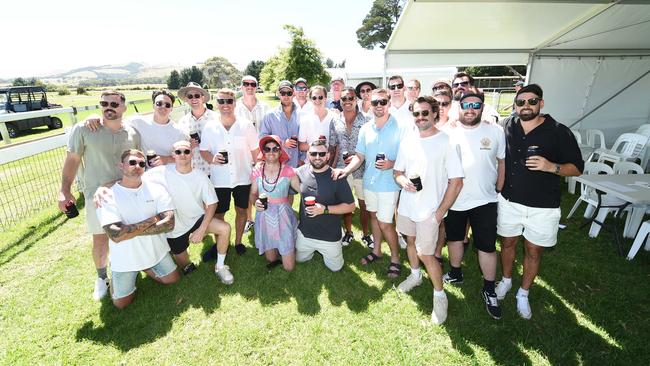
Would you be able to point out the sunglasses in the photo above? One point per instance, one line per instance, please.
(365, 90)
(412, 88)
(134, 162)
(106, 104)
(396, 86)
(462, 83)
(179, 151)
(472, 105)
(301, 88)
(444, 104)
(424, 113)
(160, 104)
(286, 94)
(320, 97)
(225, 101)
(531, 101)
(193, 96)
(249, 83)
(377, 102)
(321, 154)
(271, 149)
(347, 99)
(439, 87)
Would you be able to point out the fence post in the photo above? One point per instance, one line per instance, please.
(5, 133)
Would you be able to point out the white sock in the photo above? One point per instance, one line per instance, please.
(416, 272)
(522, 292)
(440, 293)
(506, 280)
(221, 259)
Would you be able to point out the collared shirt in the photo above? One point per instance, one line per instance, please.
(276, 123)
(255, 115)
(307, 108)
(238, 141)
(347, 140)
(190, 123)
(402, 114)
(334, 104)
(384, 140)
(556, 143)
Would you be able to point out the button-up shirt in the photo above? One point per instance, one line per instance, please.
(556, 143)
(254, 115)
(190, 123)
(276, 123)
(347, 140)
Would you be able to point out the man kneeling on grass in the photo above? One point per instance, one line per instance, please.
(135, 217)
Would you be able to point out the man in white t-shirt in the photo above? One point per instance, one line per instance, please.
(429, 171)
(230, 145)
(481, 146)
(399, 105)
(196, 202)
(136, 217)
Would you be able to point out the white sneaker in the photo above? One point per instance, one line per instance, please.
(402, 242)
(439, 313)
(224, 275)
(523, 307)
(410, 282)
(502, 289)
(101, 288)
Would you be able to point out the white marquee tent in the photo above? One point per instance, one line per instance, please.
(592, 58)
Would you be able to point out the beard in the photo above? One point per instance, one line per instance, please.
(317, 164)
(458, 94)
(423, 126)
(468, 121)
(530, 115)
(111, 115)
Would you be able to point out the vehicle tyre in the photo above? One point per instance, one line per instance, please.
(55, 123)
(13, 131)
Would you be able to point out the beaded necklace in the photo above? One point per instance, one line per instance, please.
(273, 183)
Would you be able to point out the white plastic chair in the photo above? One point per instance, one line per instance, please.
(640, 238)
(628, 146)
(594, 136)
(587, 193)
(634, 213)
(645, 158)
(644, 130)
(627, 167)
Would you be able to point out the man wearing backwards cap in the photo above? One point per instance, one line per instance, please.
(283, 121)
(539, 152)
(196, 97)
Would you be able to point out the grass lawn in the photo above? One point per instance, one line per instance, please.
(589, 307)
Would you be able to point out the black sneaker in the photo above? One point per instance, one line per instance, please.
(447, 278)
(189, 268)
(210, 254)
(492, 304)
(240, 249)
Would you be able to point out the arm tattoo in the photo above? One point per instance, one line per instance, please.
(165, 224)
(118, 231)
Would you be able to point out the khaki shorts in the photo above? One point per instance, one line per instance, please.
(382, 204)
(332, 251)
(425, 232)
(357, 185)
(92, 222)
(538, 225)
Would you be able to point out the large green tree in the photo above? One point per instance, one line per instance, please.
(378, 25)
(301, 59)
(192, 74)
(220, 73)
(174, 80)
(254, 68)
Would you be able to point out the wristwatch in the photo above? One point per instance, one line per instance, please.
(327, 210)
(557, 169)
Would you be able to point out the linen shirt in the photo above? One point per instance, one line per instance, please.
(256, 115)
(276, 123)
(347, 141)
(190, 123)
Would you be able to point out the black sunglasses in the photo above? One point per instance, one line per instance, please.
(105, 104)
(439, 87)
(365, 90)
(444, 104)
(134, 162)
(225, 101)
(271, 149)
(462, 83)
(320, 97)
(377, 102)
(347, 99)
(249, 83)
(317, 153)
(193, 96)
(286, 93)
(301, 88)
(186, 151)
(160, 104)
(396, 86)
(424, 113)
(531, 101)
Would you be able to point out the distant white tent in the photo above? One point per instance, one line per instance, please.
(592, 58)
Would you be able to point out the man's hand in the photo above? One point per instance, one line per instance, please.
(315, 210)
(348, 160)
(198, 235)
(157, 161)
(64, 199)
(439, 216)
(218, 159)
(290, 143)
(102, 194)
(93, 123)
(259, 207)
(384, 164)
(406, 184)
(194, 144)
(339, 173)
(539, 163)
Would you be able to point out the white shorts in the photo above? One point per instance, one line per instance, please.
(538, 225)
(92, 222)
(332, 251)
(382, 203)
(357, 185)
(425, 232)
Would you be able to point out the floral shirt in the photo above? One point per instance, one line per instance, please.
(347, 141)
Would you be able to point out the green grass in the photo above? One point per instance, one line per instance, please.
(589, 307)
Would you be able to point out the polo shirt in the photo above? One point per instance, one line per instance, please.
(556, 143)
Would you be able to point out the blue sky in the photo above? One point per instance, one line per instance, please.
(61, 35)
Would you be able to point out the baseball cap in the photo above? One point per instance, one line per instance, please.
(285, 84)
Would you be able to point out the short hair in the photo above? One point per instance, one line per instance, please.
(435, 107)
(381, 91)
(442, 93)
(349, 89)
(463, 74)
(130, 152)
(318, 142)
(114, 92)
(473, 92)
(417, 82)
(165, 92)
(226, 91)
(317, 87)
(395, 77)
(532, 88)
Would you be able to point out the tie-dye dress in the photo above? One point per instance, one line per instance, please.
(275, 227)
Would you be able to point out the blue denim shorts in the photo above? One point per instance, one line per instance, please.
(123, 283)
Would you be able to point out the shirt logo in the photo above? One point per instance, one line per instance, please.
(486, 144)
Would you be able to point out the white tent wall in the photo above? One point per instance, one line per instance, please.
(575, 86)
